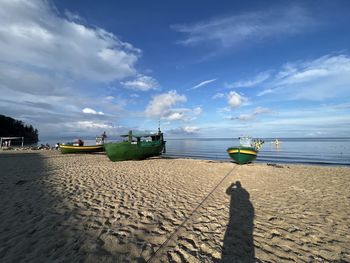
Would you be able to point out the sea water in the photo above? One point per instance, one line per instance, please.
(327, 151)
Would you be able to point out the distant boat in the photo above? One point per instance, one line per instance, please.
(276, 142)
(101, 139)
(135, 148)
(246, 152)
(70, 148)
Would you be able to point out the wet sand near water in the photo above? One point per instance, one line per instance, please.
(85, 208)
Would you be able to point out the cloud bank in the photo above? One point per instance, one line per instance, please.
(32, 34)
(47, 58)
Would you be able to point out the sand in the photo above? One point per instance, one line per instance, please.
(85, 208)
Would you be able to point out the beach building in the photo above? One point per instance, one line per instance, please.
(6, 141)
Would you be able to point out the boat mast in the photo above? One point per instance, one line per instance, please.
(130, 136)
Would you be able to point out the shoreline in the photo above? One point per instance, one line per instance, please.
(165, 156)
(301, 151)
(84, 207)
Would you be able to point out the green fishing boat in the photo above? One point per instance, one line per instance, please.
(246, 152)
(137, 147)
(80, 149)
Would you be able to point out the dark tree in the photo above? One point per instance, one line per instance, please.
(10, 127)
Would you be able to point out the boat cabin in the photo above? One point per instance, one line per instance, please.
(136, 137)
(245, 141)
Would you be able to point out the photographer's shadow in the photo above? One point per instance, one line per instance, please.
(238, 241)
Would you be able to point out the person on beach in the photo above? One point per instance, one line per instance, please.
(101, 139)
(80, 142)
(104, 136)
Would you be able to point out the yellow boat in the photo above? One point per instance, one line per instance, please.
(81, 149)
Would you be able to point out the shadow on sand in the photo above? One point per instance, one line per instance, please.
(238, 240)
(33, 215)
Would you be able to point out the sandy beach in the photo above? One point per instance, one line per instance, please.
(85, 208)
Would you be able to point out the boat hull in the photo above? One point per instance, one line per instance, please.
(123, 151)
(81, 149)
(242, 155)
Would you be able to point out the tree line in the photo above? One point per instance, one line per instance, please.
(10, 127)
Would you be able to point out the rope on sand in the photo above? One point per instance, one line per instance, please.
(187, 218)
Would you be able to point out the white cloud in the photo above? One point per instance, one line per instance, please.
(219, 95)
(249, 27)
(260, 110)
(160, 105)
(33, 35)
(309, 121)
(191, 129)
(235, 100)
(73, 16)
(320, 79)
(197, 111)
(250, 116)
(202, 84)
(30, 82)
(174, 116)
(90, 125)
(306, 75)
(92, 111)
(249, 83)
(265, 91)
(186, 130)
(341, 106)
(183, 114)
(142, 83)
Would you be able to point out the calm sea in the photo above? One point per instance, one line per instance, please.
(327, 151)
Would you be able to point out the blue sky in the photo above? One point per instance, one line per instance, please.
(201, 68)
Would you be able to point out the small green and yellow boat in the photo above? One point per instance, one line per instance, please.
(80, 149)
(246, 152)
(242, 155)
(136, 148)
